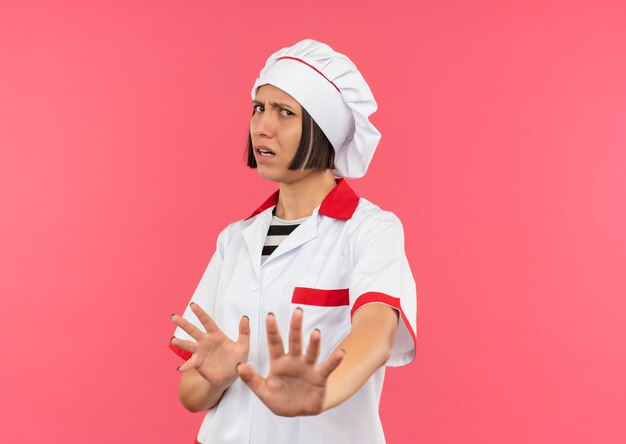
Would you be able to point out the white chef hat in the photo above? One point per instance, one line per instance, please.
(332, 90)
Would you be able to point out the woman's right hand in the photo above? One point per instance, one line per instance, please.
(214, 355)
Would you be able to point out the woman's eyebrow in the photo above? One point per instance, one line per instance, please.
(275, 104)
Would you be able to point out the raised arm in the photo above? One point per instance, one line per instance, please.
(211, 368)
(367, 347)
(297, 385)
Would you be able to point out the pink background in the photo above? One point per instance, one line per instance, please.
(122, 128)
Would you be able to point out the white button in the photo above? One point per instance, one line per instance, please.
(255, 286)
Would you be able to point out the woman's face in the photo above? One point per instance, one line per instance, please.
(275, 130)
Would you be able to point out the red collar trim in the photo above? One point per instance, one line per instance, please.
(339, 203)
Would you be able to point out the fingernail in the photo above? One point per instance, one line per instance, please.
(317, 330)
(344, 352)
(172, 315)
(177, 368)
(245, 316)
(237, 366)
(271, 314)
(193, 303)
(299, 308)
(171, 338)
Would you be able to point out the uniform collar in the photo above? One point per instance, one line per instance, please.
(339, 203)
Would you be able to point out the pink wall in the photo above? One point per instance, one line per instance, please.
(122, 127)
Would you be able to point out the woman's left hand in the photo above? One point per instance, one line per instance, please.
(296, 384)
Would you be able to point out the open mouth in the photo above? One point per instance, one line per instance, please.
(265, 152)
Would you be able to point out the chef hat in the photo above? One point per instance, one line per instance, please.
(332, 90)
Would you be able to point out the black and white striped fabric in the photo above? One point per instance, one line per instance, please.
(278, 232)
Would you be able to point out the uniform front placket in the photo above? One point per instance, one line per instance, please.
(254, 237)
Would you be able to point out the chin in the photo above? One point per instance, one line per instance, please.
(282, 176)
(267, 175)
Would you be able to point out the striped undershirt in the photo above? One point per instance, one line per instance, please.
(278, 232)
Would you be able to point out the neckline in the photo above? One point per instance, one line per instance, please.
(339, 203)
(292, 221)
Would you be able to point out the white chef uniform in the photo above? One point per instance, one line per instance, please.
(347, 254)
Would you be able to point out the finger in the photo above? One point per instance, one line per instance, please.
(191, 329)
(274, 341)
(244, 331)
(251, 378)
(189, 346)
(332, 363)
(188, 365)
(295, 333)
(209, 325)
(313, 349)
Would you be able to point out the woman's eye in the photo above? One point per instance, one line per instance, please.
(256, 108)
(287, 112)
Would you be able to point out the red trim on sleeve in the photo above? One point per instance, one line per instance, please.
(321, 298)
(180, 352)
(373, 296)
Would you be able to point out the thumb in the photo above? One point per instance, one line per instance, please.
(251, 378)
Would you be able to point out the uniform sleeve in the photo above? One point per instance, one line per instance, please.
(205, 293)
(382, 275)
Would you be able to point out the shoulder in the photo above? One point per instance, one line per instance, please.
(227, 233)
(371, 225)
(368, 216)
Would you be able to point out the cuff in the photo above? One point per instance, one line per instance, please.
(403, 351)
(180, 352)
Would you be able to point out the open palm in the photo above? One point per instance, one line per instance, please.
(214, 354)
(296, 384)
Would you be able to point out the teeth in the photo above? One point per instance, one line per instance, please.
(265, 152)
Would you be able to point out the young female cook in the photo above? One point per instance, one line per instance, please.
(314, 262)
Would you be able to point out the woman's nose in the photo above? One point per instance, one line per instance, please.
(262, 124)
